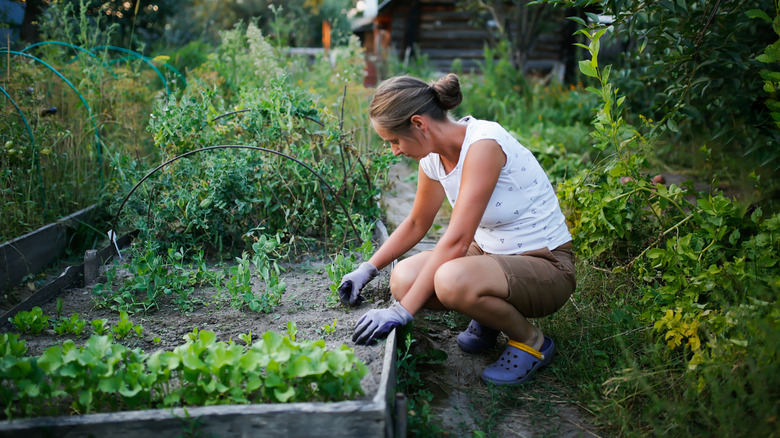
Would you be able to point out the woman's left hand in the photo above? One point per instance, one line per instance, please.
(378, 323)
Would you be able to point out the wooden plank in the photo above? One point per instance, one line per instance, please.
(451, 33)
(69, 277)
(448, 45)
(72, 275)
(350, 418)
(446, 16)
(30, 253)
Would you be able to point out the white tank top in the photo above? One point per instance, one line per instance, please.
(523, 213)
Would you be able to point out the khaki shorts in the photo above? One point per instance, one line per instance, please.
(540, 281)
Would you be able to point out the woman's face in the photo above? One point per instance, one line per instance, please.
(407, 145)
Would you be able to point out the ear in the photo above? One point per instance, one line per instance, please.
(419, 121)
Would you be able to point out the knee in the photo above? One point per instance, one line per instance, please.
(401, 279)
(452, 286)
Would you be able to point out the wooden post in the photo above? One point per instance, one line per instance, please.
(91, 266)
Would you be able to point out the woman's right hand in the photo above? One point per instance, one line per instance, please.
(353, 283)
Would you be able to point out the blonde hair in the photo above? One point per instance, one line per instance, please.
(398, 99)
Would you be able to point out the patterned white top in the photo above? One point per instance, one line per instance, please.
(523, 213)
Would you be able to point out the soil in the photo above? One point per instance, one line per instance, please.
(305, 302)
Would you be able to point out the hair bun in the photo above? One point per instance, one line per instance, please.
(447, 91)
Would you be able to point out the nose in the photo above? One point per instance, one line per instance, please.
(396, 150)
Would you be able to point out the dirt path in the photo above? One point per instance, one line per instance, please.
(460, 400)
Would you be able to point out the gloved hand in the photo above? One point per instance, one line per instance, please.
(353, 283)
(377, 323)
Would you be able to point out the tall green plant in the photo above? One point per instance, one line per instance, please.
(706, 269)
(771, 61)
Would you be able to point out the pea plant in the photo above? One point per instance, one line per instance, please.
(104, 376)
(212, 200)
(151, 276)
(239, 285)
(342, 264)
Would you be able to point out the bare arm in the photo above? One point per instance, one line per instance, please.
(481, 168)
(427, 202)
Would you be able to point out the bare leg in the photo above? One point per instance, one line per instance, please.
(477, 288)
(403, 276)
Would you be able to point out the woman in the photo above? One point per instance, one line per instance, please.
(506, 254)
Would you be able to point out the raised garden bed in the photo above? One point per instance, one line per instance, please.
(31, 253)
(305, 302)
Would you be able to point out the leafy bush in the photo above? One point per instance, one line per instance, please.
(708, 271)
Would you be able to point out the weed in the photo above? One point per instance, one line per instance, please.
(239, 285)
(410, 382)
(327, 329)
(339, 266)
(125, 327)
(151, 277)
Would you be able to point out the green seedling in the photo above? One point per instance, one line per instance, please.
(99, 326)
(246, 337)
(33, 321)
(125, 327)
(74, 325)
(328, 329)
(340, 265)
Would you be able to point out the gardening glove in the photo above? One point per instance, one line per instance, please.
(377, 323)
(353, 283)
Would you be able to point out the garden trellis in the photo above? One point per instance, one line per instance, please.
(67, 167)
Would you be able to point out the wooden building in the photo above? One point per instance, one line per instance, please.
(441, 32)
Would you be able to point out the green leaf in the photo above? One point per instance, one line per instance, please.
(284, 395)
(192, 361)
(85, 399)
(50, 360)
(593, 17)
(655, 253)
(172, 399)
(587, 68)
(758, 13)
(756, 215)
(110, 384)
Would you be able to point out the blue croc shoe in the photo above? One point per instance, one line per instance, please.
(477, 338)
(518, 362)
